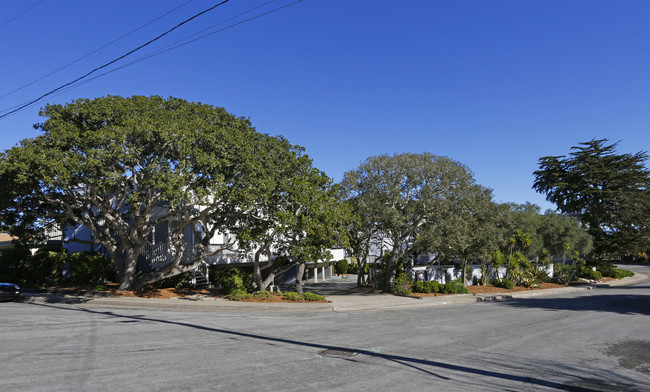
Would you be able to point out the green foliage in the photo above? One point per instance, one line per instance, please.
(230, 279)
(341, 267)
(46, 268)
(91, 267)
(232, 283)
(454, 287)
(308, 296)
(608, 189)
(544, 256)
(179, 281)
(396, 194)
(133, 154)
(14, 265)
(564, 273)
(606, 268)
(291, 296)
(429, 287)
(503, 283)
(588, 271)
(263, 294)
(621, 273)
(238, 295)
(402, 285)
(99, 288)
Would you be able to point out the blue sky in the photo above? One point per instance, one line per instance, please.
(492, 84)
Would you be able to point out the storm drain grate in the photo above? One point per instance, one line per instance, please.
(337, 353)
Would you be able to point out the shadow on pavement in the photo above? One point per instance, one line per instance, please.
(622, 304)
(413, 363)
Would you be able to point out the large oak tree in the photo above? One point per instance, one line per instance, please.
(409, 199)
(113, 164)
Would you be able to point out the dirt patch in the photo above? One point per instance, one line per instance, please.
(111, 290)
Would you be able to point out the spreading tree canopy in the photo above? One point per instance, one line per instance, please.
(298, 220)
(120, 166)
(410, 199)
(609, 191)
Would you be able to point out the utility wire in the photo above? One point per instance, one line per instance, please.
(96, 50)
(20, 14)
(180, 42)
(165, 49)
(112, 61)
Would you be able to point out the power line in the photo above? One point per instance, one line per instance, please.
(180, 42)
(165, 49)
(20, 14)
(95, 51)
(112, 61)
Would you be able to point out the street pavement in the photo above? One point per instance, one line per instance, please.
(341, 293)
(559, 340)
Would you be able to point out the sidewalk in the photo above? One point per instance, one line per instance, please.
(342, 294)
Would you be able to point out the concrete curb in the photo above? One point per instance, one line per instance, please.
(338, 303)
(176, 304)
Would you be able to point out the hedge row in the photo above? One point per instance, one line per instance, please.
(19, 266)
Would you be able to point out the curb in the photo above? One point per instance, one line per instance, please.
(638, 277)
(176, 304)
(210, 305)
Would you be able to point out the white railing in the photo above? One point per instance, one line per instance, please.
(156, 254)
(54, 234)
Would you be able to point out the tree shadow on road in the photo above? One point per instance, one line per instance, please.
(425, 366)
(610, 303)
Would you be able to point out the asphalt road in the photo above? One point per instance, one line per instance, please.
(593, 340)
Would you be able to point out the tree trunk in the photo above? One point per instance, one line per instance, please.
(266, 282)
(464, 272)
(361, 274)
(257, 273)
(389, 270)
(127, 267)
(301, 271)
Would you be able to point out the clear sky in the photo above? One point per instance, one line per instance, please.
(493, 84)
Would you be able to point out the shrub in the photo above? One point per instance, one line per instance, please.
(238, 295)
(90, 267)
(232, 283)
(402, 285)
(621, 273)
(231, 279)
(418, 287)
(590, 273)
(291, 296)
(607, 268)
(426, 287)
(263, 294)
(46, 268)
(14, 263)
(341, 267)
(563, 273)
(312, 297)
(503, 283)
(353, 265)
(454, 287)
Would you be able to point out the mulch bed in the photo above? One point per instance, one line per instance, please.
(500, 290)
(111, 289)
